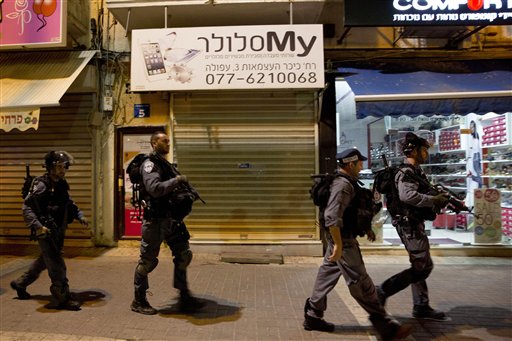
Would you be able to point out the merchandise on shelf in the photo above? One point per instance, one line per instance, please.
(495, 133)
(506, 217)
(449, 139)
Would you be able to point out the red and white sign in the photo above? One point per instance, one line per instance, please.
(488, 221)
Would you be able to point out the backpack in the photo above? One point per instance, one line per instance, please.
(133, 171)
(384, 183)
(28, 184)
(320, 191)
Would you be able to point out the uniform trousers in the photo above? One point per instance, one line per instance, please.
(360, 285)
(416, 243)
(154, 232)
(50, 258)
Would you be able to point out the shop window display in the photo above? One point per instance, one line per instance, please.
(497, 164)
(469, 152)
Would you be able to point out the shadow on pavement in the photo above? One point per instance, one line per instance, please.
(212, 312)
(92, 297)
(354, 330)
(86, 298)
(467, 323)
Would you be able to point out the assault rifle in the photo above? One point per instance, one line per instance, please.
(454, 203)
(171, 169)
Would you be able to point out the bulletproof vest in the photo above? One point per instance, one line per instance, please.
(158, 207)
(358, 215)
(414, 212)
(54, 200)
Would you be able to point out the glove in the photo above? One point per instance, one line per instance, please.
(441, 200)
(181, 178)
(84, 221)
(370, 235)
(42, 232)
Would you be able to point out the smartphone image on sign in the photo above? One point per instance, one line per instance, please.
(155, 67)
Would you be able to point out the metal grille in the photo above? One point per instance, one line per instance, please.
(250, 155)
(60, 128)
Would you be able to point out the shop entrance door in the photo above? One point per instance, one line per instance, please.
(130, 142)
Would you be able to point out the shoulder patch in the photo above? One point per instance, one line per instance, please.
(148, 166)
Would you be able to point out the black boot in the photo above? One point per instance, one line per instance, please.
(63, 299)
(427, 312)
(21, 292)
(141, 305)
(188, 303)
(388, 328)
(70, 304)
(316, 323)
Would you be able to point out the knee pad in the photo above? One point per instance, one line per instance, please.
(183, 259)
(145, 266)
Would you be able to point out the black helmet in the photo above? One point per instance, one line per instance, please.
(53, 157)
(413, 141)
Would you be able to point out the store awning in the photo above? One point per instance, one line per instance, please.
(429, 93)
(30, 80)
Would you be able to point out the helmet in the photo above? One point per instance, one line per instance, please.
(53, 157)
(413, 141)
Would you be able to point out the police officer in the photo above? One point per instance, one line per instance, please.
(159, 178)
(343, 256)
(47, 211)
(416, 206)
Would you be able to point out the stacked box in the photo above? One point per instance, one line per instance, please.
(495, 133)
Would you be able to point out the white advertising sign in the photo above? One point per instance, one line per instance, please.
(234, 57)
(488, 211)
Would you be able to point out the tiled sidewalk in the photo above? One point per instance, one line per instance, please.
(249, 302)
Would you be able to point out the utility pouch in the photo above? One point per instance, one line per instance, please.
(406, 229)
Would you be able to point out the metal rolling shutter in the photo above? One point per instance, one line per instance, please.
(60, 128)
(250, 155)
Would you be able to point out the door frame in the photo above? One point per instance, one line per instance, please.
(119, 175)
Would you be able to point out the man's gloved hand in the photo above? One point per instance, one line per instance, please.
(181, 178)
(441, 200)
(42, 232)
(84, 221)
(370, 235)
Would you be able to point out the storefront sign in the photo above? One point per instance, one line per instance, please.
(488, 221)
(427, 12)
(32, 23)
(235, 57)
(21, 120)
(141, 110)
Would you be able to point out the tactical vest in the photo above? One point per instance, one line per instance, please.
(357, 217)
(414, 212)
(157, 207)
(54, 201)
